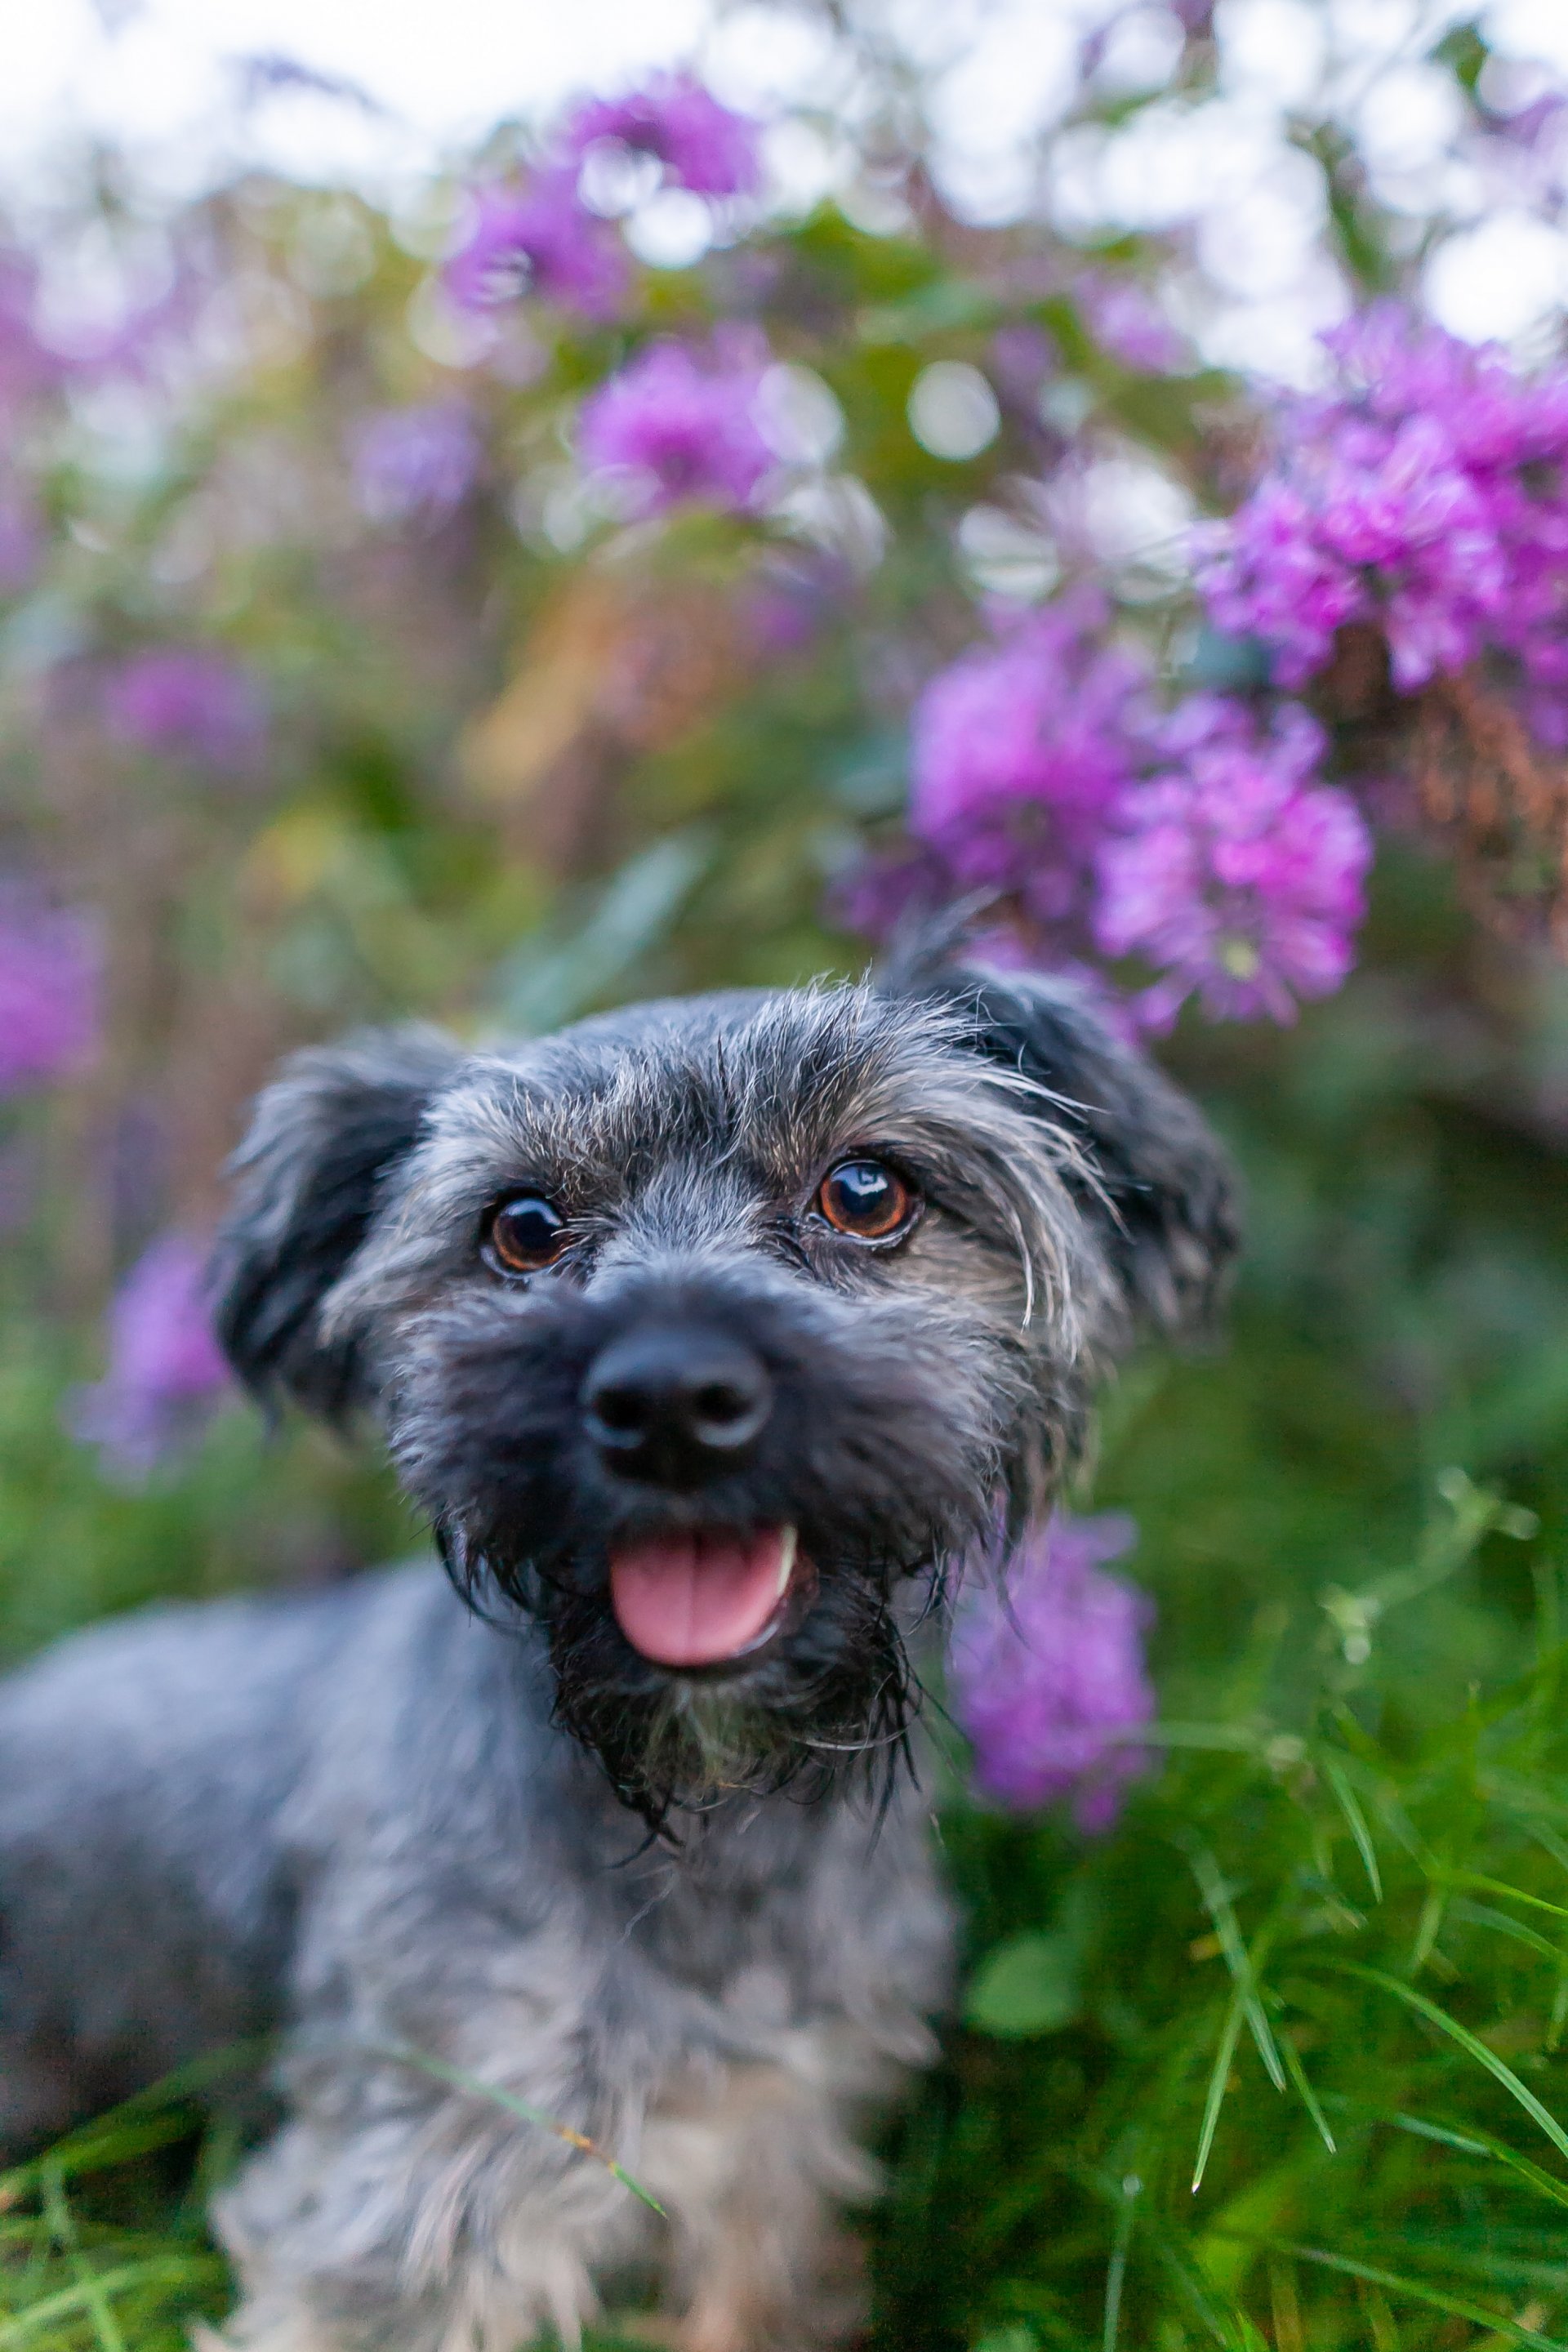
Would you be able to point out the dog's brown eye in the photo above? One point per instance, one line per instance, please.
(526, 1233)
(864, 1198)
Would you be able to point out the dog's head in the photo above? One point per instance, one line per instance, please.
(711, 1332)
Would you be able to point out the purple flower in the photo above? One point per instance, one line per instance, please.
(1021, 750)
(50, 972)
(1234, 876)
(538, 240)
(1381, 522)
(164, 1363)
(190, 703)
(700, 143)
(1125, 322)
(1047, 1677)
(679, 427)
(416, 465)
(1426, 493)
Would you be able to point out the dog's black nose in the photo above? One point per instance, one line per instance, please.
(675, 1407)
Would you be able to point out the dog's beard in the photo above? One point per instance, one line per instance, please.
(887, 1459)
(829, 1708)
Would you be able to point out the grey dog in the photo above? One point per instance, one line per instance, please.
(712, 1336)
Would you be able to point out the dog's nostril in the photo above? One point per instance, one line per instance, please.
(719, 1406)
(674, 1407)
(621, 1412)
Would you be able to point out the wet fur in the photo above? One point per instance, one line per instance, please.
(692, 1917)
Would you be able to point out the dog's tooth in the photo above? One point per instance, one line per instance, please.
(788, 1541)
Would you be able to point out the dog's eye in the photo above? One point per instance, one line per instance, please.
(866, 1198)
(526, 1232)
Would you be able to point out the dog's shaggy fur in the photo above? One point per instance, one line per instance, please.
(692, 1915)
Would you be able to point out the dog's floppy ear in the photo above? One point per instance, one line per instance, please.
(323, 1138)
(1159, 1187)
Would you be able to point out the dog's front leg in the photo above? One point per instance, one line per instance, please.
(755, 2163)
(442, 2226)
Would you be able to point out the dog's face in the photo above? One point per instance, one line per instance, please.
(713, 1332)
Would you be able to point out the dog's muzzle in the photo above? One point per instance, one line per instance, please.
(676, 1406)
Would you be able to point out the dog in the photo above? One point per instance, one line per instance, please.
(712, 1337)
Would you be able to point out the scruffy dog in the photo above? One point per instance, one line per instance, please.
(712, 1337)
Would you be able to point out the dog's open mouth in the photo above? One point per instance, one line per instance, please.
(701, 1598)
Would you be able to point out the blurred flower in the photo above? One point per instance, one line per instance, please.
(1126, 321)
(679, 427)
(1235, 875)
(1021, 750)
(164, 1363)
(538, 240)
(415, 464)
(1047, 1676)
(1426, 494)
(50, 969)
(699, 142)
(191, 703)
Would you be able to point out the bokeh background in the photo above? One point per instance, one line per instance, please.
(357, 661)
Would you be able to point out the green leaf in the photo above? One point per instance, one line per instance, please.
(1028, 1985)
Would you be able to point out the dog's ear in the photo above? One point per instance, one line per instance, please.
(1158, 1186)
(323, 1139)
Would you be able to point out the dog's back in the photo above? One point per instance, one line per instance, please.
(146, 1906)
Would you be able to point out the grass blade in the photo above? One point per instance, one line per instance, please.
(62, 2227)
(1217, 1898)
(421, 2060)
(1307, 2097)
(1417, 2291)
(1471, 2141)
(1355, 1819)
(1466, 2040)
(186, 2271)
(1219, 2077)
(1480, 1886)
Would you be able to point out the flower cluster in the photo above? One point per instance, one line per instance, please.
(540, 237)
(1047, 1677)
(188, 703)
(1020, 752)
(165, 1364)
(1197, 843)
(49, 985)
(538, 240)
(1231, 873)
(679, 425)
(698, 142)
(1425, 495)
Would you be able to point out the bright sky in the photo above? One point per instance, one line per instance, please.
(158, 78)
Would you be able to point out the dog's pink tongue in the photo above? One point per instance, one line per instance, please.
(692, 1600)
